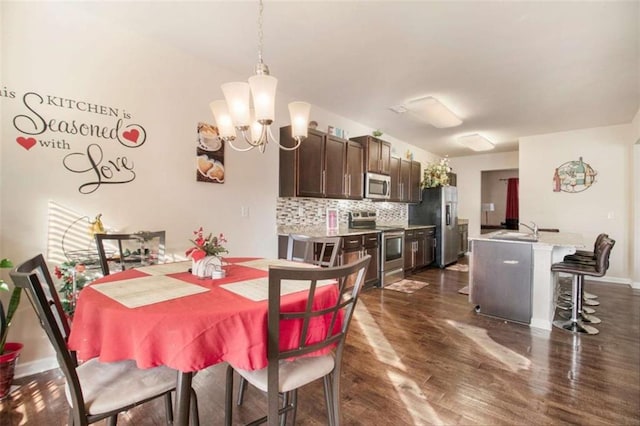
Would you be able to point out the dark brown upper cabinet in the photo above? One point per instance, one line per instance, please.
(405, 180)
(377, 154)
(323, 166)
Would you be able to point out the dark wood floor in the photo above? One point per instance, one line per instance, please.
(427, 359)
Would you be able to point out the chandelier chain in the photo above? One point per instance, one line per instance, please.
(260, 32)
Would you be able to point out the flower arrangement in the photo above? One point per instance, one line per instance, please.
(73, 279)
(210, 246)
(436, 174)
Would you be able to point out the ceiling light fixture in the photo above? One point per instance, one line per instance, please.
(433, 112)
(235, 112)
(476, 142)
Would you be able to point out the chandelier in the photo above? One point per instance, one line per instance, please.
(235, 114)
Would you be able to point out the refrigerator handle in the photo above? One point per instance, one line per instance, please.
(448, 214)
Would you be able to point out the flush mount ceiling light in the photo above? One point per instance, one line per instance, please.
(236, 114)
(476, 142)
(433, 112)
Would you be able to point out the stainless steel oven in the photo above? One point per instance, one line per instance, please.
(392, 256)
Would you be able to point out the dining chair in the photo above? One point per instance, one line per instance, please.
(321, 251)
(94, 390)
(294, 365)
(127, 250)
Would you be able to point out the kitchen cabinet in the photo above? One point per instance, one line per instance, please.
(324, 166)
(377, 154)
(419, 248)
(405, 180)
(354, 171)
(463, 232)
(415, 177)
(355, 247)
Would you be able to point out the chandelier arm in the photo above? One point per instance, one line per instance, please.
(293, 148)
(286, 148)
(239, 149)
(246, 134)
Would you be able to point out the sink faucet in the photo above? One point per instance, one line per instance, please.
(533, 228)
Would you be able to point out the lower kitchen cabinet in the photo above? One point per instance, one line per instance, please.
(419, 248)
(355, 247)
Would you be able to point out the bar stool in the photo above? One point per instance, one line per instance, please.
(578, 320)
(587, 257)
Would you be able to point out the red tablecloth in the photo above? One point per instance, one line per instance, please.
(188, 333)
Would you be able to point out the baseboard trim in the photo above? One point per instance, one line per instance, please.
(614, 280)
(35, 367)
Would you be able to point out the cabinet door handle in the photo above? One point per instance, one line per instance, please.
(349, 186)
(345, 191)
(324, 180)
(510, 262)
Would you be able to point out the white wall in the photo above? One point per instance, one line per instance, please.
(604, 207)
(469, 175)
(71, 54)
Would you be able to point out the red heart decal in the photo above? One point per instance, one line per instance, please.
(132, 135)
(27, 143)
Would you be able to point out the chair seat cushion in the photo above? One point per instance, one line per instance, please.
(111, 386)
(293, 374)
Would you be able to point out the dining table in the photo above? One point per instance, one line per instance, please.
(164, 315)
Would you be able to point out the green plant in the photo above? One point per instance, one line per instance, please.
(14, 301)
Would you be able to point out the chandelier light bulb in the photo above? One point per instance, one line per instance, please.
(237, 95)
(263, 89)
(223, 119)
(299, 114)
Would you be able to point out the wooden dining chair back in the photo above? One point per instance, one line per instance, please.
(94, 390)
(118, 252)
(321, 251)
(292, 364)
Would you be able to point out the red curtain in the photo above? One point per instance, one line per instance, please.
(512, 213)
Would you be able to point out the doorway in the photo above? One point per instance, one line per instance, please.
(493, 196)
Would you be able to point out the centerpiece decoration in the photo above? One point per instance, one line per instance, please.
(436, 174)
(206, 254)
(74, 278)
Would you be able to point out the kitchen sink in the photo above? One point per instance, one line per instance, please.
(514, 236)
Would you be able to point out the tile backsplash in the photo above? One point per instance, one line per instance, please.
(312, 211)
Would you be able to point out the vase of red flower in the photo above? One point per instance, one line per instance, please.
(206, 253)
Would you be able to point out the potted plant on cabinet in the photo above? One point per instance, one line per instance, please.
(9, 351)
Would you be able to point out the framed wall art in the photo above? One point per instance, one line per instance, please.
(573, 176)
(209, 155)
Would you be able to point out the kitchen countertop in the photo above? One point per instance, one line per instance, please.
(463, 221)
(563, 239)
(343, 231)
(411, 227)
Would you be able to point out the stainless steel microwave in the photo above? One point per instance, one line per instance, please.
(377, 186)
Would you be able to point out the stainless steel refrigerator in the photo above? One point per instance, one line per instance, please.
(439, 207)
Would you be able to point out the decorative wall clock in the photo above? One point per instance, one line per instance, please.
(573, 176)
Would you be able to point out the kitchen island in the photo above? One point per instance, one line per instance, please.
(510, 273)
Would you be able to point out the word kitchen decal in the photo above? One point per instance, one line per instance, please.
(41, 126)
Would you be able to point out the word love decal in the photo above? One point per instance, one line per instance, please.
(38, 127)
